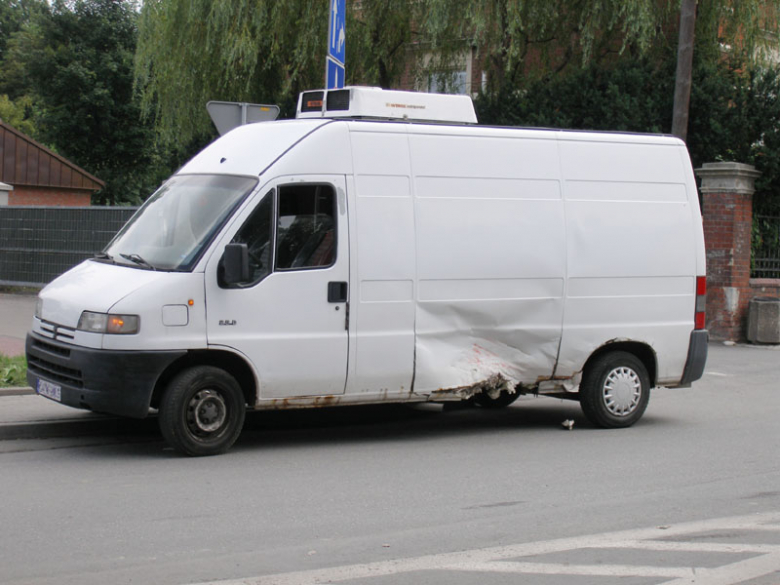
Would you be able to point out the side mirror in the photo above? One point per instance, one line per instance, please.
(235, 264)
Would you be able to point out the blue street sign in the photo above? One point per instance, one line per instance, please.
(334, 77)
(336, 30)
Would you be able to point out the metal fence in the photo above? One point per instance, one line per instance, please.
(37, 244)
(766, 247)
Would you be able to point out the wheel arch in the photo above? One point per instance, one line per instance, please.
(230, 362)
(642, 351)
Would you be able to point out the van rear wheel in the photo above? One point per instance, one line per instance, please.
(615, 390)
(202, 411)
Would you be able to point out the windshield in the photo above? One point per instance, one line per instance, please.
(178, 221)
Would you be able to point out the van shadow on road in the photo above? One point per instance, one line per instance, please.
(334, 426)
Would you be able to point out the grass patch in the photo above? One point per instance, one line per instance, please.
(19, 290)
(13, 371)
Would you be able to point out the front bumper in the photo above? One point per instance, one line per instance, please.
(113, 382)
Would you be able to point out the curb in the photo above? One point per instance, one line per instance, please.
(78, 428)
(16, 391)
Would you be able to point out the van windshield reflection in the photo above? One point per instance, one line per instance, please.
(177, 223)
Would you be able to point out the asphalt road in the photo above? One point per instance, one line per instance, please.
(410, 495)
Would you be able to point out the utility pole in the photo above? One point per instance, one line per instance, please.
(682, 84)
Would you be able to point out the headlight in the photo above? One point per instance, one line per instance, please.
(38, 308)
(103, 323)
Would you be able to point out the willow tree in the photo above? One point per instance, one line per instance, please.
(193, 51)
(518, 39)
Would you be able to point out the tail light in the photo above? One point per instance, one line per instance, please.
(700, 320)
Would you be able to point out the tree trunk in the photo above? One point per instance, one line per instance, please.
(682, 85)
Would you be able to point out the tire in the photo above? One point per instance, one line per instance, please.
(504, 399)
(615, 390)
(202, 411)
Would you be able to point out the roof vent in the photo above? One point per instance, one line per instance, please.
(383, 104)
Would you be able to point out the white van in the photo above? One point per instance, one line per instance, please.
(385, 248)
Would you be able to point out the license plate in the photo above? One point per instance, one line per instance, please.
(50, 390)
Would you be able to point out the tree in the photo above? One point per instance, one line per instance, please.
(17, 114)
(380, 33)
(13, 15)
(74, 60)
(193, 51)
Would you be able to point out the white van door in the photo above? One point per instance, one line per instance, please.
(290, 317)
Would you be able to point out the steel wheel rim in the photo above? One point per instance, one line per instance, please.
(206, 412)
(622, 391)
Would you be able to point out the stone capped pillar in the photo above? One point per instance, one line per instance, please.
(727, 190)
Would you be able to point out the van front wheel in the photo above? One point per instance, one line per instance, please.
(615, 390)
(202, 411)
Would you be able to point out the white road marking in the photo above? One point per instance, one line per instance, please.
(559, 569)
(506, 559)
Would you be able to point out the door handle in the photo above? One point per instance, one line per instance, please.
(337, 292)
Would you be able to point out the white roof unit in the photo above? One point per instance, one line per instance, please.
(374, 102)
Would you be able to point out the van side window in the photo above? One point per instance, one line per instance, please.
(306, 227)
(256, 234)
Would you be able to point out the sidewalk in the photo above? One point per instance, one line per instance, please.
(29, 416)
(16, 312)
(11, 346)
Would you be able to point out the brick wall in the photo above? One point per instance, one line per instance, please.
(50, 197)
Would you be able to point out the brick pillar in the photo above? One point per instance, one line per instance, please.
(727, 190)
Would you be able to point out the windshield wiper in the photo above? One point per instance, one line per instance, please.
(137, 260)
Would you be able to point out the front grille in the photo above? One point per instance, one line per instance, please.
(57, 332)
(51, 348)
(51, 371)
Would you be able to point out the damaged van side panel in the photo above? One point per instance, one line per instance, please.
(489, 228)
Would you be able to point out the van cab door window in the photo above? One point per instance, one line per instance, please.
(256, 233)
(305, 227)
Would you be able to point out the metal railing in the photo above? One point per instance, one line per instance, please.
(765, 247)
(37, 244)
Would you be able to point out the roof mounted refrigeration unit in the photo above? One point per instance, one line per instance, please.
(383, 104)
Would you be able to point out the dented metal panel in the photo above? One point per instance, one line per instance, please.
(489, 227)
